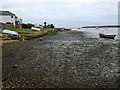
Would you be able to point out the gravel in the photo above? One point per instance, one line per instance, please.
(66, 60)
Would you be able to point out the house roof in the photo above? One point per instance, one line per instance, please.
(6, 13)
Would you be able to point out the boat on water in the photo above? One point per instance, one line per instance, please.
(67, 29)
(107, 36)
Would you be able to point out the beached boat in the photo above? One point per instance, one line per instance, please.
(10, 32)
(107, 36)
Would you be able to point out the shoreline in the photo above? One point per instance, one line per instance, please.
(84, 33)
(94, 33)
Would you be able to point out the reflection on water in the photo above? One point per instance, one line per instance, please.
(94, 33)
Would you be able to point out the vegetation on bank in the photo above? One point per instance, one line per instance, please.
(26, 33)
(29, 34)
(25, 30)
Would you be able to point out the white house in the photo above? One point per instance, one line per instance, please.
(8, 17)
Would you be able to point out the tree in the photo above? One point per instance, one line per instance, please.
(48, 26)
(51, 26)
(45, 24)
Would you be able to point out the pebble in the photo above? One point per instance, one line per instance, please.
(67, 53)
(15, 66)
(39, 39)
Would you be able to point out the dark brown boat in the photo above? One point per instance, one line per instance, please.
(107, 36)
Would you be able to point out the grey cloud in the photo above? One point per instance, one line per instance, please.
(70, 14)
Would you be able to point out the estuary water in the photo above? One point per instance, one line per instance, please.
(94, 33)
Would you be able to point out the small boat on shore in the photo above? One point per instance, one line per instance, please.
(107, 36)
(10, 32)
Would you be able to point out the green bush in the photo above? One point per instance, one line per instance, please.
(27, 25)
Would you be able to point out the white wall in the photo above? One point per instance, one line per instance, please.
(7, 18)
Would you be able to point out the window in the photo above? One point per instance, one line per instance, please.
(8, 22)
(11, 16)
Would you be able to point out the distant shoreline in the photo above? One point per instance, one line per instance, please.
(107, 26)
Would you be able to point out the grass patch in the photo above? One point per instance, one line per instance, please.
(40, 34)
(22, 30)
(28, 34)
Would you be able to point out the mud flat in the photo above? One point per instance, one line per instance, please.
(66, 60)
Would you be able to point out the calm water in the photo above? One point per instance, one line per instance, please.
(94, 33)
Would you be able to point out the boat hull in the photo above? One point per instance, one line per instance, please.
(107, 36)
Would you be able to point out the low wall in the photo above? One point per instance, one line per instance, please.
(6, 25)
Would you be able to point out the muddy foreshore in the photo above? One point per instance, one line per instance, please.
(66, 60)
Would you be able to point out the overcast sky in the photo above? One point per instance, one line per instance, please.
(65, 13)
